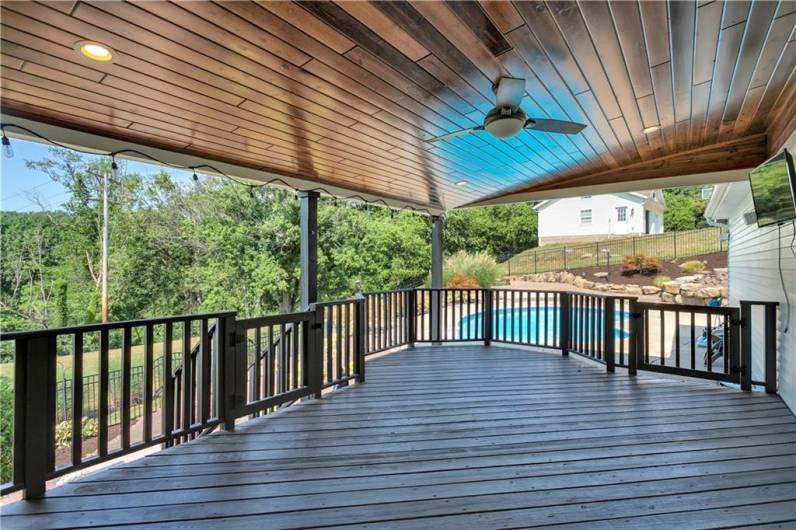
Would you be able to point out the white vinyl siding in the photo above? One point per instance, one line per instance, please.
(754, 275)
(560, 219)
(585, 217)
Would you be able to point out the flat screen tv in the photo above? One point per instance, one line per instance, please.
(773, 184)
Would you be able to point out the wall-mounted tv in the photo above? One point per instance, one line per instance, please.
(773, 184)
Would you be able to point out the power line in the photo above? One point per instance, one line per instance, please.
(25, 191)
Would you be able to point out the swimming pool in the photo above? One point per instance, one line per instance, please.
(520, 324)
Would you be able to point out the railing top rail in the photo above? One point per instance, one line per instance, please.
(602, 296)
(337, 302)
(758, 302)
(388, 291)
(272, 320)
(686, 308)
(453, 289)
(509, 290)
(88, 328)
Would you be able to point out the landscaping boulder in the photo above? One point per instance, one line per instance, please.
(709, 292)
(671, 287)
(600, 274)
(690, 290)
(690, 300)
(650, 289)
(667, 297)
(633, 289)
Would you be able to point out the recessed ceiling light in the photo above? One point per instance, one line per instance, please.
(651, 129)
(94, 51)
(462, 183)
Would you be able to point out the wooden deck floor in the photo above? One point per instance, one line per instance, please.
(465, 437)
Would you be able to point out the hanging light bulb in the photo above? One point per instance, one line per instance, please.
(114, 168)
(8, 151)
(195, 177)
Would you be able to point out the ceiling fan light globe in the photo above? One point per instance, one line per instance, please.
(500, 125)
(505, 127)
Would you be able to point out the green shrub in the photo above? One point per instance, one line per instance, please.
(690, 267)
(6, 429)
(480, 266)
(660, 280)
(63, 432)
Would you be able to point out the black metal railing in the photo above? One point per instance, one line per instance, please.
(690, 340)
(277, 347)
(449, 315)
(387, 319)
(199, 372)
(340, 342)
(529, 318)
(184, 404)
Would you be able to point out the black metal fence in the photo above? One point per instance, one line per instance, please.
(64, 392)
(666, 246)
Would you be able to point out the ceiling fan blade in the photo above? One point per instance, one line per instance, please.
(456, 133)
(554, 126)
(509, 92)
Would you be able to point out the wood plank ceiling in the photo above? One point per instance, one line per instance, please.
(349, 93)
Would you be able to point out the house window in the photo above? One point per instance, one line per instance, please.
(585, 217)
(621, 214)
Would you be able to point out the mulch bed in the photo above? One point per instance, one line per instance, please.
(63, 455)
(671, 269)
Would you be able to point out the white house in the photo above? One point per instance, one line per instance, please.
(762, 266)
(600, 216)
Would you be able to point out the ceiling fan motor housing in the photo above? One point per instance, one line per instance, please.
(504, 122)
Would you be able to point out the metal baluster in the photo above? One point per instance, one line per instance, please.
(77, 398)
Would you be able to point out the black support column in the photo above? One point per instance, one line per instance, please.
(309, 248)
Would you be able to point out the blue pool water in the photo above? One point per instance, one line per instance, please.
(519, 324)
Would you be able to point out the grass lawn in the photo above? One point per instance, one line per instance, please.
(91, 360)
(667, 246)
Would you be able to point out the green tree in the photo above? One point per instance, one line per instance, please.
(501, 230)
(684, 209)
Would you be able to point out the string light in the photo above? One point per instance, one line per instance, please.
(8, 152)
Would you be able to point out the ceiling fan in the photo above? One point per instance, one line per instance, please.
(507, 119)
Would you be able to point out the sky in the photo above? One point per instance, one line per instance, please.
(26, 190)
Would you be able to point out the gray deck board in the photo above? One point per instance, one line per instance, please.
(465, 437)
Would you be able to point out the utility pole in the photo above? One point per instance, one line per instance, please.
(105, 239)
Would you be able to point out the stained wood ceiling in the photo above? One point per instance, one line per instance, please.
(349, 93)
